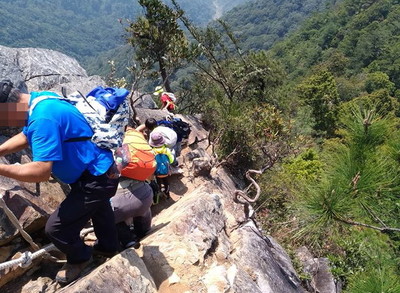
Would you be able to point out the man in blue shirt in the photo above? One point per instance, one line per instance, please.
(52, 130)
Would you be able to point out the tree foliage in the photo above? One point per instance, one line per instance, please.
(261, 23)
(158, 39)
(364, 33)
(237, 91)
(320, 93)
(343, 201)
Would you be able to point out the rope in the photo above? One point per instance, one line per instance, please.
(86, 231)
(243, 194)
(26, 259)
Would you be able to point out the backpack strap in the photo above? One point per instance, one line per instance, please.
(75, 139)
(64, 93)
(42, 98)
(39, 99)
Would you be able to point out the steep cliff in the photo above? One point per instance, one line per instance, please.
(201, 241)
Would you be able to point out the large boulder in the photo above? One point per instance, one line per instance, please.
(43, 69)
(34, 69)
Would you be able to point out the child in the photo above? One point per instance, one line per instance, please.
(164, 158)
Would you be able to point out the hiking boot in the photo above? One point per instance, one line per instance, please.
(97, 250)
(126, 236)
(70, 272)
(134, 243)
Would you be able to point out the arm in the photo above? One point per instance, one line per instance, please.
(141, 128)
(14, 144)
(30, 172)
(164, 105)
(171, 157)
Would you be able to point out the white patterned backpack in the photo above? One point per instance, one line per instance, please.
(105, 109)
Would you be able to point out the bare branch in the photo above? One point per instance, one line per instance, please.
(354, 223)
(373, 215)
(226, 159)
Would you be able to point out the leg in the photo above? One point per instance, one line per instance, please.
(89, 198)
(166, 186)
(129, 203)
(104, 228)
(64, 225)
(125, 204)
(160, 182)
(142, 224)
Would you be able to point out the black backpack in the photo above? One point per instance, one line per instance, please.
(181, 127)
(5, 89)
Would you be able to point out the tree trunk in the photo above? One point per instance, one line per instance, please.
(164, 75)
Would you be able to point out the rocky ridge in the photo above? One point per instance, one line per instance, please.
(203, 241)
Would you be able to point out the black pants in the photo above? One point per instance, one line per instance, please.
(89, 199)
(163, 184)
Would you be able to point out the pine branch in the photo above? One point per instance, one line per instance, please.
(354, 223)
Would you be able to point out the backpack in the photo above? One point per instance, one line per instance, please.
(171, 96)
(163, 165)
(135, 158)
(108, 123)
(107, 112)
(181, 127)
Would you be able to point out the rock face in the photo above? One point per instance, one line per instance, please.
(34, 69)
(43, 69)
(203, 242)
(206, 243)
(321, 278)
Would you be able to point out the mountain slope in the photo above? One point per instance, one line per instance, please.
(77, 28)
(260, 23)
(80, 29)
(355, 37)
(202, 12)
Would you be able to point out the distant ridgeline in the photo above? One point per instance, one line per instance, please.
(82, 29)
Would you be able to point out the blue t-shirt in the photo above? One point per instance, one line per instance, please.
(51, 123)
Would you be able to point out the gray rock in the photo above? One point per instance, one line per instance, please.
(81, 84)
(43, 69)
(206, 244)
(9, 68)
(318, 269)
(201, 167)
(143, 101)
(125, 272)
(34, 69)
